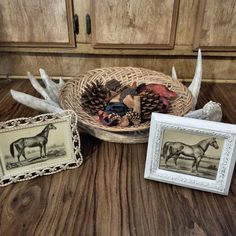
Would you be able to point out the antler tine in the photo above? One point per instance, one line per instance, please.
(195, 86)
(47, 81)
(61, 83)
(35, 103)
(51, 87)
(37, 86)
(174, 75)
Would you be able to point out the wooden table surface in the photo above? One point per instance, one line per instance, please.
(108, 195)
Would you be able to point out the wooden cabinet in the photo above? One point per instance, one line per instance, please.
(38, 23)
(154, 34)
(216, 25)
(127, 27)
(134, 23)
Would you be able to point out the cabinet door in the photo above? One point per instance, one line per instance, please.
(39, 23)
(216, 25)
(134, 23)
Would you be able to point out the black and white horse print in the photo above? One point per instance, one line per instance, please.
(40, 140)
(197, 151)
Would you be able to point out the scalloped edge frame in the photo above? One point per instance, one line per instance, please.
(20, 123)
(221, 184)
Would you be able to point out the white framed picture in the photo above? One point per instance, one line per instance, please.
(192, 153)
(40, 145)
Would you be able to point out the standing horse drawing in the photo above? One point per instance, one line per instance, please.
(197, 151)
(40, 140)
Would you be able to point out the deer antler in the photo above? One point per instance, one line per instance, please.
(50, 93)
(211, 110)
(195, 86)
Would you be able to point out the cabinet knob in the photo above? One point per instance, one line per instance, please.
(88, 24)
(76, 24)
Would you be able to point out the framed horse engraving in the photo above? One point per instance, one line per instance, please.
(191, 153)
(41, 145)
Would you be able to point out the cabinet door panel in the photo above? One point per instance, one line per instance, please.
(36, 23)
(134, 23)
(216, 25)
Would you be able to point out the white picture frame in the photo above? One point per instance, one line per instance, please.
(173, 139)
(40, 145)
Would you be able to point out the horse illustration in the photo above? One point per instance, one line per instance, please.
(197, 151)
(40, 140)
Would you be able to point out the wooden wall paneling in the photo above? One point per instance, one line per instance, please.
(186, 23)
(215, 26)
(36, 23)
(15, 64)
(134, 23)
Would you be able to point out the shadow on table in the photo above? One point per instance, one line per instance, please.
(89, 145)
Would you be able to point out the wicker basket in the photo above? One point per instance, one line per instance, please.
(72, 91)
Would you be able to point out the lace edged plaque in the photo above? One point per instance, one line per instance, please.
(40, 145)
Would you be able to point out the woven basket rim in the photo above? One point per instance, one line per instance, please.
(72, 90)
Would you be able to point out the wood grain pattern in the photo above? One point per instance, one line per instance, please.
(215, 29)
(186, 23)
(36, 23)
(190, 16)
(87, 49)
(214, 69)
(139, 24)
(108, 195)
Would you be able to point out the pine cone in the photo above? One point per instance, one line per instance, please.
(114, 116)
(134, 117)
(94, 98)
(150, 102)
